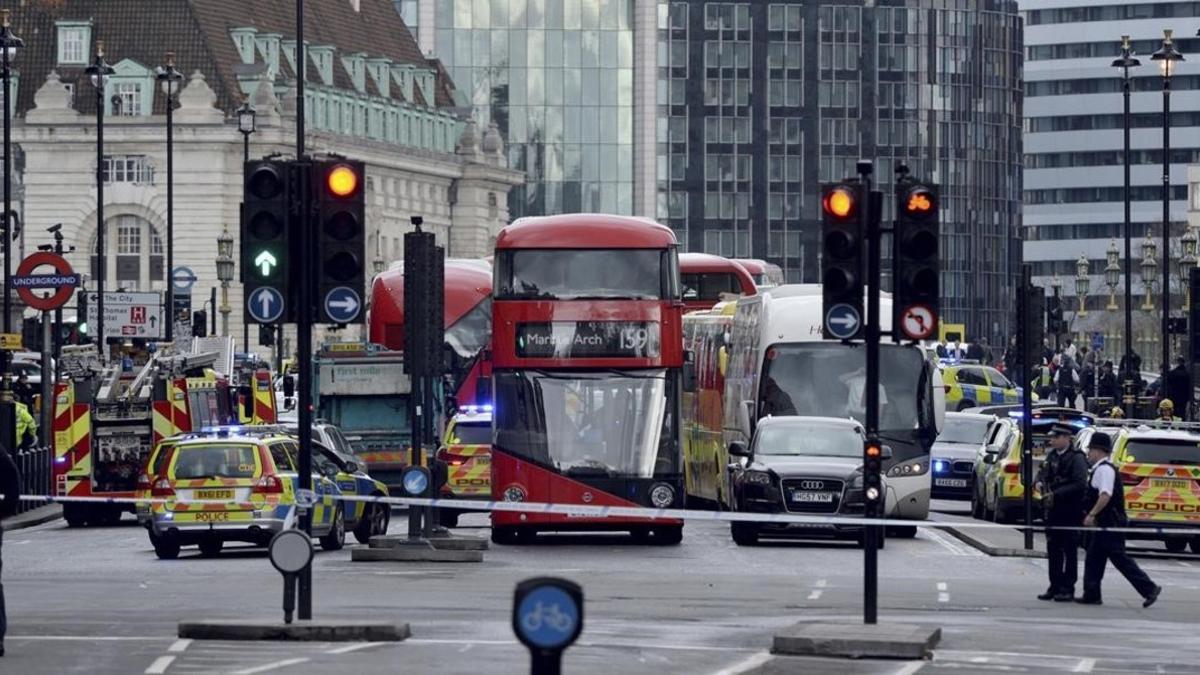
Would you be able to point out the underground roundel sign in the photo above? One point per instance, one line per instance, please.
(61, 280)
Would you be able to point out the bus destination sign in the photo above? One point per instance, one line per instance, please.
(588, 339)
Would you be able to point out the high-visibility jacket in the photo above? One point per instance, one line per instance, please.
(25, 422)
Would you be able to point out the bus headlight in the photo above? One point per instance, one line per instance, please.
(907, 469)
(662, 495)
(514, 493)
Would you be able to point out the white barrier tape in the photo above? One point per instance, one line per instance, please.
(589, 511)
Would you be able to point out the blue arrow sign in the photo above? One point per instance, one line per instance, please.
(547, 617)
(842, 321)
(266, 305)
(415, 481)
(183, 278)
(342, 304)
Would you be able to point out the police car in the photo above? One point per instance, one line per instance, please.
(466, 450)
(955, 451)
(233, 484)
(1160, 469)
(969, 384)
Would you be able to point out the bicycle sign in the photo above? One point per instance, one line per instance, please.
(547, 618)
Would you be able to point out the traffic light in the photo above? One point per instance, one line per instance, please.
(200, 323)
(873, 474)
(1032, 311)
(842, 260)
(340, 239)
(1054, 315)
(269, 187)
(1194, 314)
(266, 336)
(917, 236)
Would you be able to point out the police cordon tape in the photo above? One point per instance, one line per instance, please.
(588, 511)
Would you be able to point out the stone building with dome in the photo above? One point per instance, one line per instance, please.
(370, 95)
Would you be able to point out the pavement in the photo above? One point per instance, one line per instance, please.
(42, 514)
(98, 601)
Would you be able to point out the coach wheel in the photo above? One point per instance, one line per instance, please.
(1177, 545)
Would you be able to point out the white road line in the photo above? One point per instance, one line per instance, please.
(951, 544)
(1184, 564)
(822, 583)
(941, 585)
(747, 664)
(815, 595)
(179, 646)
(270, 666)
(160, 665)
(1084, 666)
(352, 648)
(943, 594)
(89, 638)
(615, 644)
(910, 668)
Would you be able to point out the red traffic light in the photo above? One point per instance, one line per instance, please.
(920, 203)
(840, 202)
(342, 181)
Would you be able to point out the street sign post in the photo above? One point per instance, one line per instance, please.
(547, 618)
(918, 322)
(129, 315)
(290, 551)
(62, 280)
(342, 304)
(266, 305)
(842, 321)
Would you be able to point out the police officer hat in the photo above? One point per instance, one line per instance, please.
(1100, 441)
(1062, 429)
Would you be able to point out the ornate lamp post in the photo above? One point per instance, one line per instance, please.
(1149, 270)
(1125, 63)
(98, 73)
(247, 118)
(168, 79)
(1082, 283)
(9, 44)
(1112, 275)
(1185, 264)
(1168, 59)
(225, 274)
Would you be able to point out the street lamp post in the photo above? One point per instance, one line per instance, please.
(1149, 270)
(9, 44)
(1125, 63)
(1168, 57)
(1082, 283)
(1112, 275)
(1056, 288)
(247, 118)
(98, 73)
(225, 274)
(169, 78)
(1186, 262)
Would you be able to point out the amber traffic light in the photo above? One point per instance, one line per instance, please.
(342, 181)
(842, 259)
(917, 267)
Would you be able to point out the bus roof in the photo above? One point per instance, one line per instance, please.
(752, 265)
(467, 283)
(585, 230)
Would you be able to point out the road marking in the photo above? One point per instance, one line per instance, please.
(822, 583)
(271, 666)
(910, 668)
(353, 648)
(617, 644)
(1084, 666)
(89, 638)
(179, 646)
(160, 665)
(747, 664)
(1184, 564)
(943, 595)
(815, 595)
(950, 544)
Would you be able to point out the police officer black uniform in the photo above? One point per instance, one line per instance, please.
(1106, 508)
(1063, 479)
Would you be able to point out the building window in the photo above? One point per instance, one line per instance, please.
(132, 266)
(134, 169)
(129, 97)
(129, 238)
(72, 44)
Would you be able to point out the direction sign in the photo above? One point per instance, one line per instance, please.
(183, 278)
(1097, 341)
(266, 305)
(63, 280)
(842, 321)
(342, 304)
(10, 342)
(918, 322)
(415, 481)
(547, 615)
(132, 315)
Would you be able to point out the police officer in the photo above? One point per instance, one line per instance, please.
(1106, 508)
(1062, 481)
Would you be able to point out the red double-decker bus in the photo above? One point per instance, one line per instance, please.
(707, 279)
(467, 318)
(587, 357)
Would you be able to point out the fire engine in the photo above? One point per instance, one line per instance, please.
(107, 420)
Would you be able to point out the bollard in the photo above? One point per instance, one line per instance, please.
(290, 552)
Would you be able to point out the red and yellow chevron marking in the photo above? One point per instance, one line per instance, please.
(264, 398)
(473, 476)
(1166, 493)
(72, 443)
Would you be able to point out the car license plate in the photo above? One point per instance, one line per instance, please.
(951, 482)
(483, 461)
(1169, 483)
(812, 497)
(214, 494)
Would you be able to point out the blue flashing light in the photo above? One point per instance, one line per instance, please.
(471, 409)
(939, 466)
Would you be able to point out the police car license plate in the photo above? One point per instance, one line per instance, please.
(214, 494)
(1169, 483)
(812, 497)
(951, 482)
(483, 461)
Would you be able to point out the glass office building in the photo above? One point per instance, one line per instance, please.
(762, 102)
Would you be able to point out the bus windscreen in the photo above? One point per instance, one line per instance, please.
(567, 274)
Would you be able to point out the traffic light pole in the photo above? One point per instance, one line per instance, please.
(304, 317)
(870, 225)
(1028, 347)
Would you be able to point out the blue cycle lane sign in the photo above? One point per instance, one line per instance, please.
(547, 618)
(342, 304)
(843, 321)
(266, 305)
